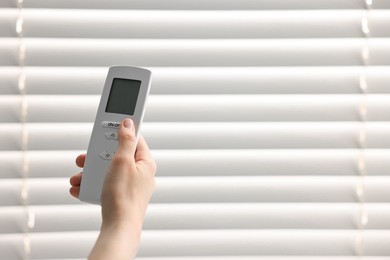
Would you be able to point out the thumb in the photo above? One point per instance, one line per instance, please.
(126, 137)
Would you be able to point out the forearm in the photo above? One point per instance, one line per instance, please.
(118, 241)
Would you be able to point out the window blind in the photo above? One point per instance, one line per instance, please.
(269, 122)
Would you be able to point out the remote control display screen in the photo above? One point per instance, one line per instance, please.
(123, 96)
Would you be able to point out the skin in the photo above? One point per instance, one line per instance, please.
(126, 192)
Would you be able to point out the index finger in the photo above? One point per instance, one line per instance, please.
(143, 151)
(80, 160)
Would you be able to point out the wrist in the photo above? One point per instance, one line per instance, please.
(117, 240)
(130, 219)
(122, 227)
(123, 212)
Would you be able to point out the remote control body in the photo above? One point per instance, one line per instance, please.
(124, 96)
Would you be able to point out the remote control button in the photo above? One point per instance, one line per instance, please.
(111, 135)
(106, 155)
(111, 124)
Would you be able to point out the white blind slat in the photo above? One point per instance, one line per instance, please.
(201, 24)
(203, 4)
(206, 108)
(269, 162)
(217, 162)
(9, 80)
(269, 52)
(11, 246)
(8, 52)
(284, 162)
(12, 220)
(214, 243)
(317, 135)
(73, 218)
(211, 80)
(10, 137)
(69, 218)
(7, 23)
(207, 80)
(265, 242)
(10, 108)
(215, 108)
(203, 243)
(11, 192)
(11, 164)
(264, 135)
(268, 189)
(218, 189)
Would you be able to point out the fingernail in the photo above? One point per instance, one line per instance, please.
(128, 123)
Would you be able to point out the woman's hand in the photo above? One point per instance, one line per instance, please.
(126, 192)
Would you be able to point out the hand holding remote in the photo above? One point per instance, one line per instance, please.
(129, 182)
(127, 189)
(124, 95)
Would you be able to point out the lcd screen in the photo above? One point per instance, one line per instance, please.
(123, 96)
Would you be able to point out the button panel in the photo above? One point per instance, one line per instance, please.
(111, 135)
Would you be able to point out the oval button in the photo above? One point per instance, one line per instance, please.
(111, 135)
(111, 124)
(106, 155)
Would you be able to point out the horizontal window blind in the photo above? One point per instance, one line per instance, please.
(269, 122)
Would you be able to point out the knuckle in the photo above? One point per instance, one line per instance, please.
(153, 166)
(120, 158)
(154, 185)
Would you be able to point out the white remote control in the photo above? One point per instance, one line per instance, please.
(124, 96)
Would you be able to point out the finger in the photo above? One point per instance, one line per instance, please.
(144, 156)
(80, 160)
(75, 180)
(126, 137)
(143, 151)
(75, 191)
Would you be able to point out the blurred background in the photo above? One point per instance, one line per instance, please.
(269, 121)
